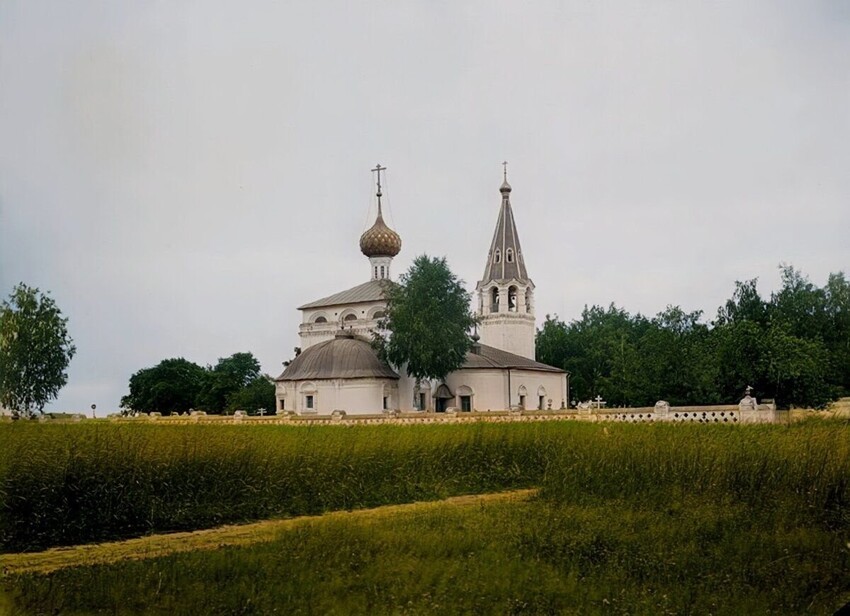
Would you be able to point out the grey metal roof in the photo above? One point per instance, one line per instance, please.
(505, 237)
(344, 357)
(491, 357)
(371, 291)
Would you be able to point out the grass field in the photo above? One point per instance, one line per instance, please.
(629, 519)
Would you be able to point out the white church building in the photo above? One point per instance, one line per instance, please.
(338, 369)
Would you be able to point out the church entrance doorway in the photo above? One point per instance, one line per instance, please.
(442, 397)
(464, 394)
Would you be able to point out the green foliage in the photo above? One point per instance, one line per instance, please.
(794, 348)
(646, 519)
(257, 394)
(172, 386)
(35, 350)
(177, 385)
(227, 379)
(428, 319)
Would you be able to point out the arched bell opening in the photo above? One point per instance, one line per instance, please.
(512, 298)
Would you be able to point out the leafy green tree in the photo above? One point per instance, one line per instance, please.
(745, 305)
(172, 386)
(800, 306)
(837, 335)
(794, 348)
(35, 350)
(229, 376)
(677, 359)
(258, 394)
(428, 321)
(597, 350)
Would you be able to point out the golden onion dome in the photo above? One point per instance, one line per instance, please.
(379, 240)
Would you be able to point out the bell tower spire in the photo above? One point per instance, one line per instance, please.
(505, 292)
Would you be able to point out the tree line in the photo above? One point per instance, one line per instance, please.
(793, 347)
(178, 386)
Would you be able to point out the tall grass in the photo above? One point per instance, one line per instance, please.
(491, 558)
(76, 483)
(69, 484)
(805, 466)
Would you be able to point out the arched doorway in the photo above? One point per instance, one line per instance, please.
(541, 398)
(464, 395)
(442, 398)
(522, 393)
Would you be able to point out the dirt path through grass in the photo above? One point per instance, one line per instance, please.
(154, 546)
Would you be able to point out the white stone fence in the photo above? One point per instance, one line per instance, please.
(661, 412)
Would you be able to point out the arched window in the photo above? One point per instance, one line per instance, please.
(350, 317)
(498, 256)
(528, 298)
(512, 299)
(380, 314)
(320, 320)
(494, 299)
(509, 255)
(541, 398)
(382, 272)
(522, 393)
(376, 272)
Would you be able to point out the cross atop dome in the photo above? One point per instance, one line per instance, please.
(379, 242)
(379, 194)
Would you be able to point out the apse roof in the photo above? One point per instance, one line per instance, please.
(371, 291)
(491, 357)
(344, 357)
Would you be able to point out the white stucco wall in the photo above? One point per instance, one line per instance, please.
(490, 388)
(312, 333)
(512, 332)
(354, 396)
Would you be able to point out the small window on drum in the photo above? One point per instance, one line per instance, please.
(350, 317)
(320, 320)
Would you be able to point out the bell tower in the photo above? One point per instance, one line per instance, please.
(505, 292)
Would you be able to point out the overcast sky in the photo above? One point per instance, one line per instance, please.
(181, 175)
